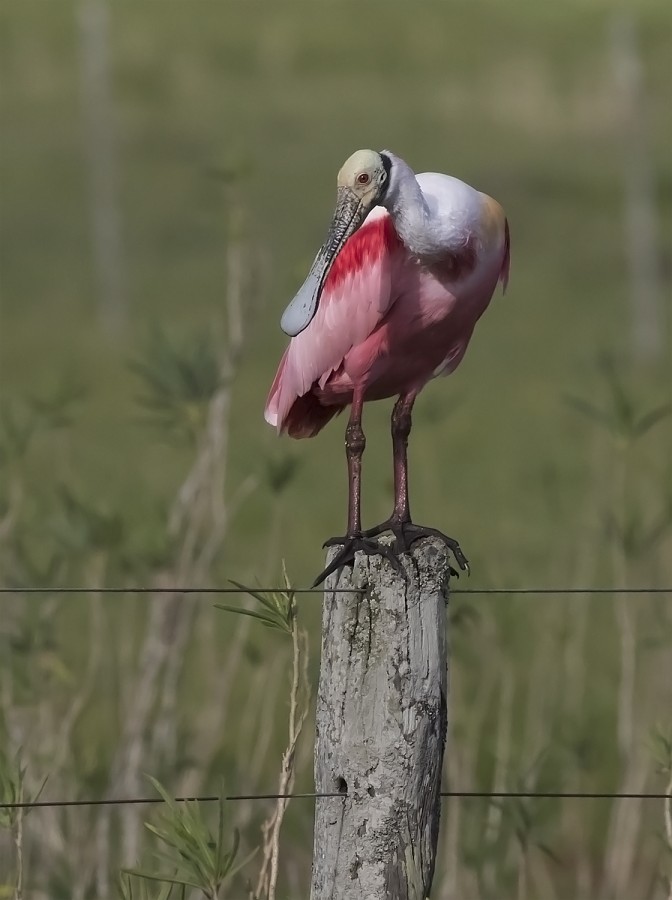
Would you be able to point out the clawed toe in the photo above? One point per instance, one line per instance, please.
(336, 542)
(407, 533)
(351, 546)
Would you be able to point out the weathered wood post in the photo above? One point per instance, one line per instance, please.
(381, 727)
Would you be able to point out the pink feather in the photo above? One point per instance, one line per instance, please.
(384, 323)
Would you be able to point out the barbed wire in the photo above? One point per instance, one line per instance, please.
(316, 795)
(284, 589)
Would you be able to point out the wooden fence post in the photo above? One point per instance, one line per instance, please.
(381, 728)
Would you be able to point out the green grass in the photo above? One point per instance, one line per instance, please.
(516, 98)
(516, 113)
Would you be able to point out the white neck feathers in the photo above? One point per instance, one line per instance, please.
(407, 205)
(432, 222)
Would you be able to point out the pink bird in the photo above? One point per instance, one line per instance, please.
(409, 266)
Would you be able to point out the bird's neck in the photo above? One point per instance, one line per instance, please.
(413, 220)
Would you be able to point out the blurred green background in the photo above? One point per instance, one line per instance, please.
(222, 125)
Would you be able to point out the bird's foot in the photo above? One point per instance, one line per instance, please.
(351, 545)
(406, 534)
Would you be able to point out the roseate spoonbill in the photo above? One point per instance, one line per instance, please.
(408, 267)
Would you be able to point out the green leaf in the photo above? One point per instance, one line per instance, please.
(651, 419)
(233, 870)
(278, 606)
(591, 412)
(220, 831)
(188, 847)
(265, 599)
(166, 879)
(268, 621)
(161, 791)
(179, 382)
(623, 405)
(280, 472)
(551, 854)
(233, 852)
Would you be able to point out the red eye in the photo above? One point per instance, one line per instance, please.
(363, 178)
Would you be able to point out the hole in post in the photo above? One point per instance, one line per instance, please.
(341, 785)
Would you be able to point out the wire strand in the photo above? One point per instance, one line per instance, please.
(166, 590)
(41, 804)
(283, 589)
(497, 795)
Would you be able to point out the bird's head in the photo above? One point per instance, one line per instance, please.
(361, 184)
(363, 179)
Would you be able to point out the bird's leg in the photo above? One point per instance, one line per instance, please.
(355, 443)
(399, 523)
(401, 428)
(354, 540)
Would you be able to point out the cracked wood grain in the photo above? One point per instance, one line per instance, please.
(381, 727)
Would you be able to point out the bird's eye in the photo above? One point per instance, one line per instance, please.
(363, 178)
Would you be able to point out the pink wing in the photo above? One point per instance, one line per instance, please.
(356, 296)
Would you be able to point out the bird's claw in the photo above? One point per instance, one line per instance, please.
(349, 547)
(406, 534)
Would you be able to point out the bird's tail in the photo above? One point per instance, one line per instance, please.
(299, 417)
(307, 416)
